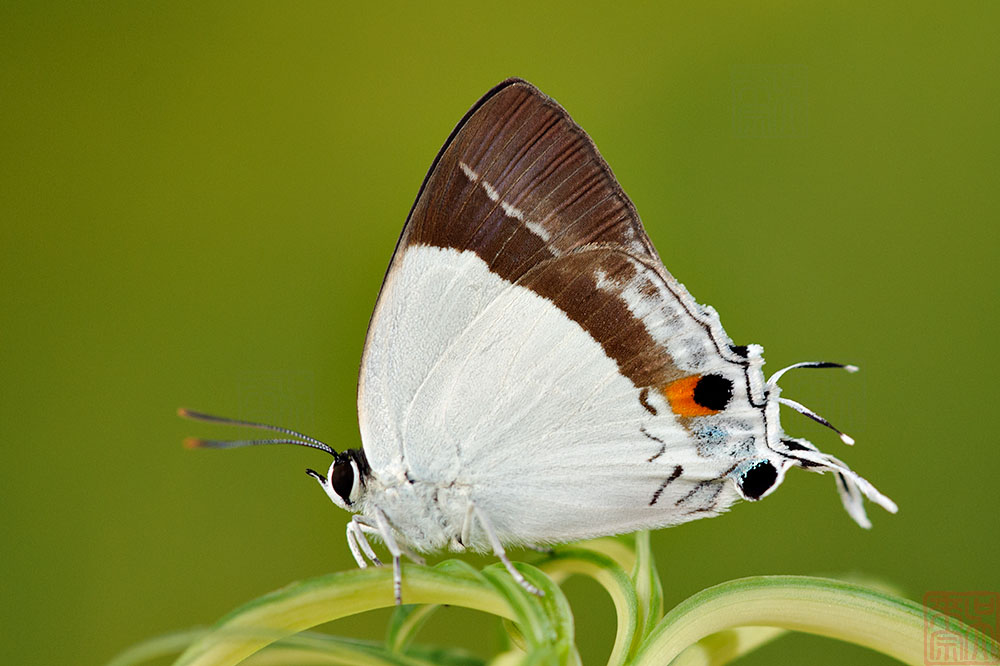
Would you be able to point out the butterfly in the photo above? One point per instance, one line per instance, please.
(533, 375)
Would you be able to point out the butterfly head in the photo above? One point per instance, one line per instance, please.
(344, 482)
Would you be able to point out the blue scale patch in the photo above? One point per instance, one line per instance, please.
(711, 440)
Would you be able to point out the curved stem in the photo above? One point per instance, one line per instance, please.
(614, 580)
(831, 608)
(331, 597)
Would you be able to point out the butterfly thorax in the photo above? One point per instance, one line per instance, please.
(427, 516)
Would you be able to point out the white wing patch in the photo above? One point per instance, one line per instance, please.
(666, 320)
(423, 306)
(486, 385)
(535, 228)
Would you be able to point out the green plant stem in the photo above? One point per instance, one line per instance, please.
(303, 605)
(821, 606)
(725, 646)
(614, 580)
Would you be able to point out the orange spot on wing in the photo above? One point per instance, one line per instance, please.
(680, 395)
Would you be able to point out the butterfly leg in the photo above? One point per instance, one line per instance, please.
(413, 557)
(352, 543)
(390, 542)
(356, 538)
(470, 513)
(367, 529)
(499, 551)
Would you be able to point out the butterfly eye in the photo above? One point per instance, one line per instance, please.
(757, 480)
(343, 478)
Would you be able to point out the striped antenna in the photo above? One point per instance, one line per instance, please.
(196, 443)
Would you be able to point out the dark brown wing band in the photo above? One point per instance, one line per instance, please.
(519, 182)
(522, 185)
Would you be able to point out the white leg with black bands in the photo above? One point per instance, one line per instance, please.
(412, 555)
(352, 543)
(390, 542)
(502, 554)
(359, 527)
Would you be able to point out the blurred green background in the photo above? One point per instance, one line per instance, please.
(198, 202)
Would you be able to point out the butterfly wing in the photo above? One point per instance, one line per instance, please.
(529, 344)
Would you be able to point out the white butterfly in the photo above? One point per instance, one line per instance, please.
(532, 373)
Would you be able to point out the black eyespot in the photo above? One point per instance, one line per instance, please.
(342, 479)
(713, 392)
(758, 480)
(739, 350)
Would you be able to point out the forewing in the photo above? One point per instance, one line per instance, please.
(519, 182)
(519, 213)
